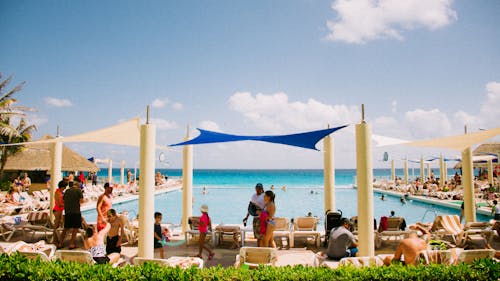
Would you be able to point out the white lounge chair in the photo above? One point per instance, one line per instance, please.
(255, 256)
(282, 229)
(306, 227)
(182, 262)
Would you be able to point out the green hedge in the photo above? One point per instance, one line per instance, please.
(16, 267)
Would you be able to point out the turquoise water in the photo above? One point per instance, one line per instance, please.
(229, 192)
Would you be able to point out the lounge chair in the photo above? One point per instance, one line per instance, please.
(81, 256)
(390, 231)
(450, 225)
(282, 229)
(46, 254)
(193, 231)
(182, 262)
(234, 231)
(255, 256)
(468, 256)
(306, 227)
(131, 234)
(38, 221)
(361, 261)
(447, 257)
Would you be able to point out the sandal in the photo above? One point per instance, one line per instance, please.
(199, 256)
(211, 256)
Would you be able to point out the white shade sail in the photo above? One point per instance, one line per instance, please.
(459, 142)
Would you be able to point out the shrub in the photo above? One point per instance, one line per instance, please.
(16, 267)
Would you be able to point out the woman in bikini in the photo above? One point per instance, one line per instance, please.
(267, 221)
(94, 243)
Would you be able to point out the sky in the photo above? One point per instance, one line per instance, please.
(423, 69)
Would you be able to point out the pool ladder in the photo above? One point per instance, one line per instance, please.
(429, 210)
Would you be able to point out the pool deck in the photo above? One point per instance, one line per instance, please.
(451, 204)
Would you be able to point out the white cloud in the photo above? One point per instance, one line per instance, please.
(489, 112)
(163, 124)
(274, 112)
(359, 21)
(209, 125)
(159, 102)
(427, 123)
(58, 102)
(177, 106)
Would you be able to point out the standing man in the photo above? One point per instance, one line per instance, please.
(104, 204)
(254, 208)
(73, 197)
(114, 237)
(342, 242)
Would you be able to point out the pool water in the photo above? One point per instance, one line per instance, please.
(229, 205)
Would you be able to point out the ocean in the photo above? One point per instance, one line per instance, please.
(230, 190)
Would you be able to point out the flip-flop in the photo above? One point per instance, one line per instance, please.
(211, 256)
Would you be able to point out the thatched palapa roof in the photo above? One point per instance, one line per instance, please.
(483, 149)
(38, 157)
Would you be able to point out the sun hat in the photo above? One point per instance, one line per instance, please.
(204, 208)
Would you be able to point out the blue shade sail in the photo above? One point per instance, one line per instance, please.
(304, 140)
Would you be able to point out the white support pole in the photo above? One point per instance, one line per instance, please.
(429, 170)
(365, 188)
(422, 170)
(445, 172)
(122, 172)
(110, 171)
(329, 174)
(55, 173)
(393, 171)
(490, 171)
(468, 183)
(441, 171)
(187, 184)
(406, 171)
(146, 190)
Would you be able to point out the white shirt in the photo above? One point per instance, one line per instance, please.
(497, 209)
(258, 200)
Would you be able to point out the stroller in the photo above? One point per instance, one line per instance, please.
(332, 220)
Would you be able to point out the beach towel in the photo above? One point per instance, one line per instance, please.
(383, 224)
(263, 222)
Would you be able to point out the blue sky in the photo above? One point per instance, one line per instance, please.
(423, 68)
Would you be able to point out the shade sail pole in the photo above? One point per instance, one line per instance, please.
(122, 172)
(110, 171)
(468, 182)
(187, 184)
(422, 170)
(441, 171)
(365, 188)
(55, 174)
(146, 190)
(445, 172)
(429, 170)
(329, 174)
(490, 171)
(406, 170)
(393, 171)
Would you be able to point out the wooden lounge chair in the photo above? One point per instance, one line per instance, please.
(193, 231)
(306, 227)
(255, 256)
(282, 229)
(38, 221)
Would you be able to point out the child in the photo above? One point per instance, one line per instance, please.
(158, 234)
(203, 227)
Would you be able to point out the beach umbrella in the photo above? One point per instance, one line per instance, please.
(329, 173)
(365, 187)
(146, 189)
(187, 183)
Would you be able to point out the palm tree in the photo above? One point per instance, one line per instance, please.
(13, 126)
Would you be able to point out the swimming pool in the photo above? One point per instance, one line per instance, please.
(229, 205)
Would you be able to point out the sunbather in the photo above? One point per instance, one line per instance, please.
(409, 248)
(94, 243)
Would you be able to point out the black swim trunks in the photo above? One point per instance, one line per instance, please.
(111, 245)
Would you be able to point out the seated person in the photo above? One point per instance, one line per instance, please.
(342, 242)
(94, 243)
(409, 248)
